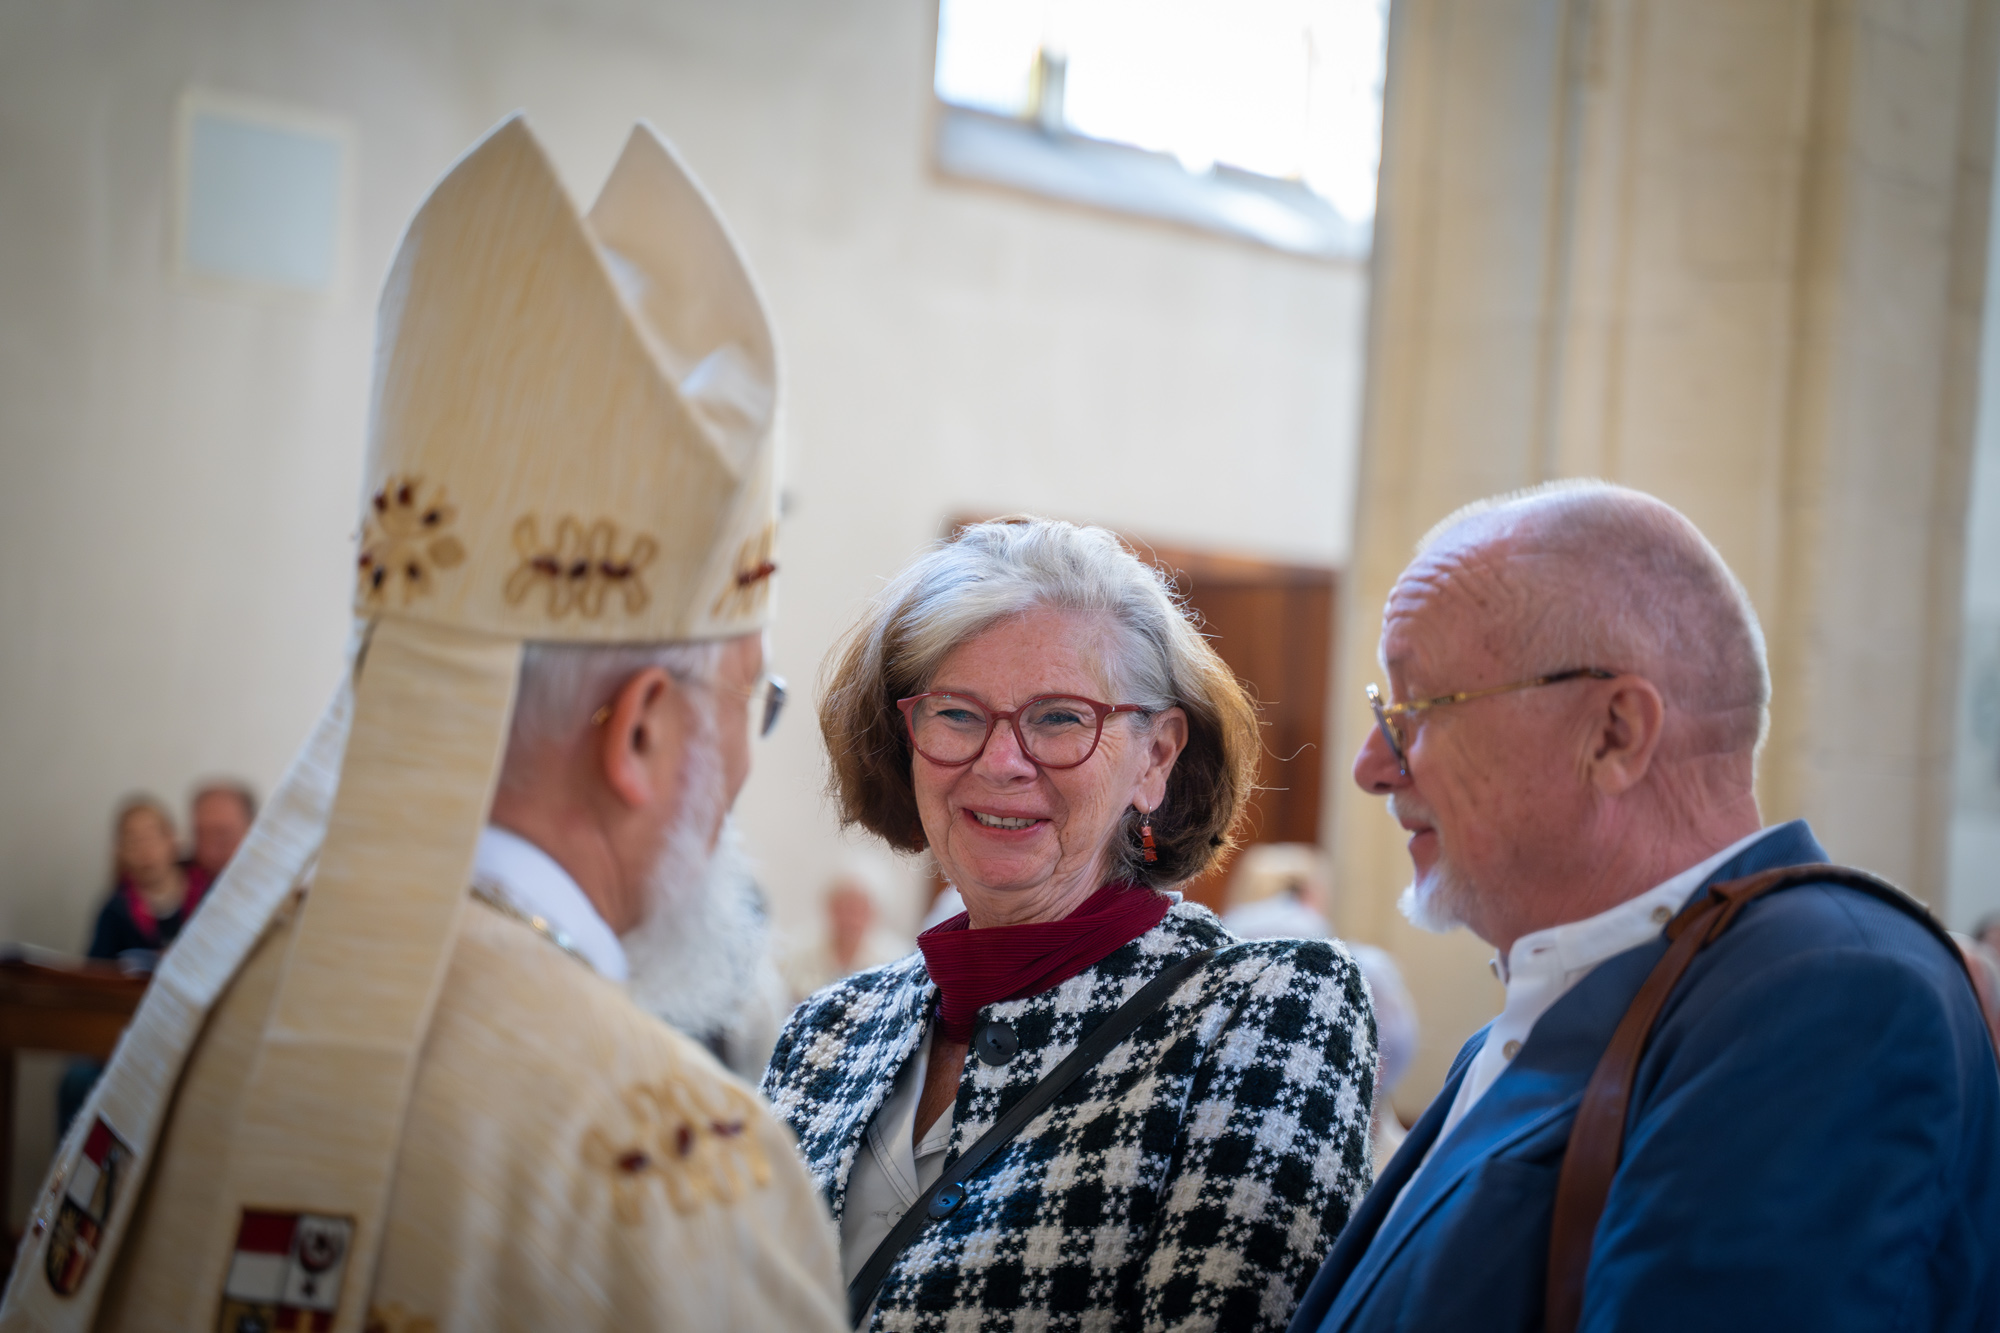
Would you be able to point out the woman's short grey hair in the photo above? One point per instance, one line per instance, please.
(563, 684)
(1150, 653)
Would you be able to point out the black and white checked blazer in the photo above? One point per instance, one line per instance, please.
(1192, 1180)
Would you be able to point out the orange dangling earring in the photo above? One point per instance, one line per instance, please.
(1146, 836)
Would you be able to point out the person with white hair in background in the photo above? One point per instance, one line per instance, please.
(1733, 1087)
(862, 916)
(1396, 1035)
(1984, 966)
(417, 1095)
(1277, 890)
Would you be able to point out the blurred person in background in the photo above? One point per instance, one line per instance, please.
(945, 905)
(1278, 891)
(859, 928)
(153, 892)
(1396, 1036)
(1984, 966)
(220, 814)
(1029, 703)
(1987, 932)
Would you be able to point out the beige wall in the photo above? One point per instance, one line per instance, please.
(178, 471)
(1974, 891)
(1731, 252)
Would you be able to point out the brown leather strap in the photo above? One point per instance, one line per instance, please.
(1597, 1137)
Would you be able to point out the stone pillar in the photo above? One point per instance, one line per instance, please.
(1731, 252)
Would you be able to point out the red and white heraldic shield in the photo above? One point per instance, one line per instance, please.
(286, 1273)
(86, 1207)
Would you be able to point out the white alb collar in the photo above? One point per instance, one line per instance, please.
(1580, 945)
(529, 879)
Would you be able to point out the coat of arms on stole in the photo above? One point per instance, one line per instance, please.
(86, 1208)
(286, 1273)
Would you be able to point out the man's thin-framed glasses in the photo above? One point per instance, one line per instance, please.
(1053, 730)
(1387, 714)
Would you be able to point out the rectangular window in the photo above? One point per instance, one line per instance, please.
(263, 196)
(1258, 118)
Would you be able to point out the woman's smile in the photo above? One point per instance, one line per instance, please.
(999, 823)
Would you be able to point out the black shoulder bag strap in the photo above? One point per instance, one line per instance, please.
(948, 1191)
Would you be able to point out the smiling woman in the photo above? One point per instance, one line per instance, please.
(1030, 704)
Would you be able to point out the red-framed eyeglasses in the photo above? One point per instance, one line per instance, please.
(1054, 730)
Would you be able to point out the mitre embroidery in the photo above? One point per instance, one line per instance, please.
(580, 567)
(405, 540)
(751, 584)
(669, 1135)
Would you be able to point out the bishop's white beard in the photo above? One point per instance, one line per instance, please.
(696, 960)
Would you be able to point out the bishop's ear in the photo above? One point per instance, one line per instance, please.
(1627, 719)
(641, 735)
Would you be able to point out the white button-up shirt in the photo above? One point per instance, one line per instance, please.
(528, 879)
(1541, 967)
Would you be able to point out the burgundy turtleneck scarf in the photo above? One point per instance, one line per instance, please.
(975, 968)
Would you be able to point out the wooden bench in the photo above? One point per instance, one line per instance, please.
(52, 1003)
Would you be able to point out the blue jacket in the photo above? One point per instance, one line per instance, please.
(1813, 1144)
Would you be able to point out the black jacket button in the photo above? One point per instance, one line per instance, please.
(946, 1201)
(996, 1043)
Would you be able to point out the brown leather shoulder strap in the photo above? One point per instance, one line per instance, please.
(1597, 1137)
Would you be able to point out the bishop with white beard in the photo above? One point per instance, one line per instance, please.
(393, 1076)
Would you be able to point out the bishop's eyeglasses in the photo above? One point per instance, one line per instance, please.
(767, 702)
(1389, 716)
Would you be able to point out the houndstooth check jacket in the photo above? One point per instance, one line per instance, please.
(1192, 1180)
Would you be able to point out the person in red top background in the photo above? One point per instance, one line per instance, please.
(154, 892)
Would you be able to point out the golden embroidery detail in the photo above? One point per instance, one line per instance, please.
(394, 1318)
(405, 539)
(669, 1136)
(751, 585)
(580, 567)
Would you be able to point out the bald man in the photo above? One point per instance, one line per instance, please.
(1576, 693)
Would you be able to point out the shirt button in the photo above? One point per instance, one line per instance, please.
(1662, 914)
(1510, 1050)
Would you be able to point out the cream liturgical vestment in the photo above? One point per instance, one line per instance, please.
(365, 1091)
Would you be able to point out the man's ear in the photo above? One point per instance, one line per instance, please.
(1163, 745)
(642, 721)
(1625, 734)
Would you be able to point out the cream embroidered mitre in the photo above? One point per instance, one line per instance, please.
(573, 437)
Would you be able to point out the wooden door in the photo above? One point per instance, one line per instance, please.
(1273, 624)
